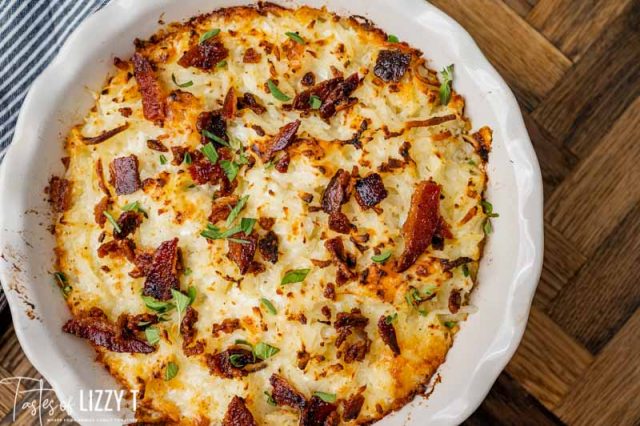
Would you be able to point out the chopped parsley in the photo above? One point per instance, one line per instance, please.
(163, 159)
(181, 301)
(488, 228)
(382, 257)
(465, 270)
(487, 207)
(315, 102)
(326, 397)
(294, 276)
(268, 306)
(275, 91)
(210, 152)
(445, 86)
(171, 371)
(392, 38)
(153, 335)
(295, 37)
(264, 351)
(116, 227)
(221, 64)
(206, 36)
(157, 305)
(182, 85)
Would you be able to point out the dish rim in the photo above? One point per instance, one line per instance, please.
(531, 224)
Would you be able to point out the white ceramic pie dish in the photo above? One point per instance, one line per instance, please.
(60, 97)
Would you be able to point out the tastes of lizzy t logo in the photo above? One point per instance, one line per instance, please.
(29, 396)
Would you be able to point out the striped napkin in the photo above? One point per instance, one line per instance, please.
(31, 33)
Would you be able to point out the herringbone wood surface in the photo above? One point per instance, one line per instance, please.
(575, 68)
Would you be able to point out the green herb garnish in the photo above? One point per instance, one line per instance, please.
(326, 397)
(295, 37)
(488, 228)
(382, 257)
(116, 227)
(390, 318)
(236, 360)
(246, 225)
(206, 36)
(392, 38)
(134, 207)
(181, 301)
(294, 276)
(275, 91)
(230, 169)
(450, 324)
(221, 64)
(187, 84)
(487, 207)
(152, 334)
(163, 159)
(157, 305)
(215, 138)
(192, 293)
(264, 351)
(236, 210)
(210, 152)
(465, 270)
(268, 306)
(171, 371)
(315, 102)
(445, 86)
(270, 399)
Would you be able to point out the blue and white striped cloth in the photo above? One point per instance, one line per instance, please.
(31, 33)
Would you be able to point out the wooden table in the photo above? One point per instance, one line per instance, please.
(575, 68)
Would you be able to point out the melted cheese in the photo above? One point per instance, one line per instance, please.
(176, 210)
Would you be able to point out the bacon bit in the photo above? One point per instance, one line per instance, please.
(319, 413)
(242, 254)
(483, 139)
(107, 134)
(285, 394)
(227, 326)
(470, 214)
(352, 324)
(204, 55)
(370, 191)
(101, 183)
(124, 248)
(213, 122)
(455, 301)
(251, 56)
(268, 246)
(344, 261)
(351, 407)
(59, 190)
(303, 358)
(156, 145)
(125, 112)
(330, 291)
(390, 165)
(249, 101)
(266, 223)
(220, 363)
(285, 137)
(99, 209)
(420, 225)
(309, 79)
(336, 193)
(433, 121)
(132, 323)
(222, 207)
(128, 222)
(333, 93)
(388, 333)
(95, 327)
(339, 222)
(150, 90)
(355, 139)
(178, 154)
(448, 265)
(282, 165)
(238, 414)
(229, 107)
(204, 171)
(163, 272)
(120, 64)
(187, 328)
(124, 174)
(259, 130)
(142, 261)
(391, 65)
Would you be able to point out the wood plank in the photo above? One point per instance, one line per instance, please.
(521, 7)
(590, 203)
(587, 101)
(529, 62)
(548, 360)
(8, 389)
(605, 293)
(573, 25)
(12, 358)
(609, 392)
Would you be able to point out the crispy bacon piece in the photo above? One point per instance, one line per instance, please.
(421, 223)
(138, 322)
(370, 191)
(222, 207)
(391, 65)
(251, 56)
(128, 223)
(249, 101)
(350, 327)
(101, 183)
(355, 139)
(220, 363)
(448, 265)
(433, 121)
(204, 171)
(285, 137)
(149, 87)
(124, 174)
(163, 272)
(230, 105)
(333, 93)
(344, 261)
(107, 134)
(213, 122)
(227, 326)
(388, 333)
(156, 145)
(124, 248)
(59, 190)
(95, 327)
(187, 328)
(266, 223)
(99, 209)
(238, 414)
(455, 301)
(205, 55)
(285, 394)
(339, 222)
(242, 253)
(309, 79)
(142, 261)
(282, 165)
(352, 406)
(337, 192)
(319, 413)
(268, 246)
(351, 319)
